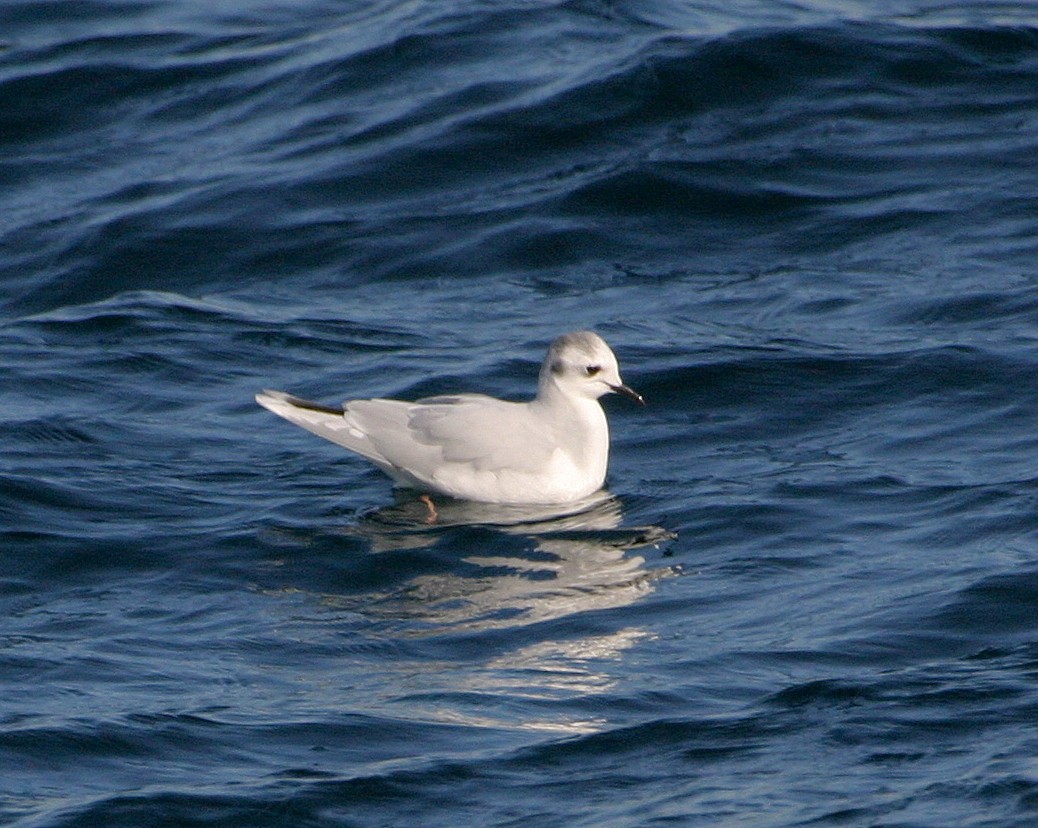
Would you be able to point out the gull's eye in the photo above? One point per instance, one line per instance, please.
(591, 370)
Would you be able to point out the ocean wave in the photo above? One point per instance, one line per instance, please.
(366, 160)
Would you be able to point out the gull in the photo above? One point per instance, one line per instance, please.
(553, 449)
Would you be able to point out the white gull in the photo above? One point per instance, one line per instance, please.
(553, 449)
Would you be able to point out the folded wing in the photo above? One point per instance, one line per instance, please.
(482, 433)
(425, 442)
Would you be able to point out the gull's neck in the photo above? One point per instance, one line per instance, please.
(552, 396)
(579, 424)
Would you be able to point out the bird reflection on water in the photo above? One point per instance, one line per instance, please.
(524, 564)
(490, 597)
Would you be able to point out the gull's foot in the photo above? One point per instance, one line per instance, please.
(433, 514)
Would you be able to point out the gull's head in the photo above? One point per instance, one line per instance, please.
(580, 364)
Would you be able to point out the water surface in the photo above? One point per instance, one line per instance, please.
(810, 595)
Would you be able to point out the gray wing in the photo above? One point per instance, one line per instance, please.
(413, 441)
(482, 433)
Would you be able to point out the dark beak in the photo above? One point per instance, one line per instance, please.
(630, 393)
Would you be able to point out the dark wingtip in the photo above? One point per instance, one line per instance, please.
(299, 402)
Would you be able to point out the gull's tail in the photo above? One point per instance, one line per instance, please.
(323, 420)
(348, 425)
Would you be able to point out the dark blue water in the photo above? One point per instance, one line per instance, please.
(808, 230)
